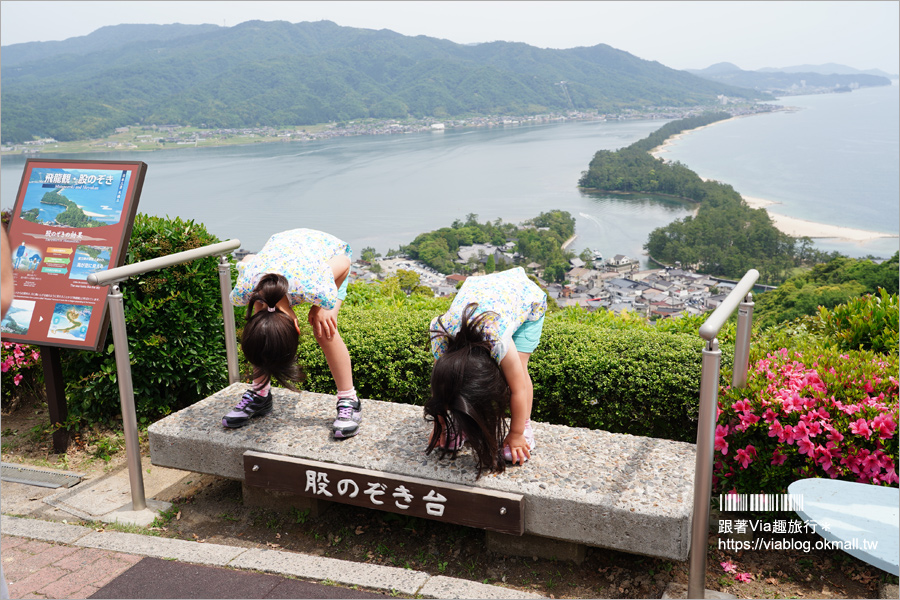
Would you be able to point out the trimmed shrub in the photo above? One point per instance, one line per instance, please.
(389, 348)
(635, 381)
(585, 376)
(175, 333)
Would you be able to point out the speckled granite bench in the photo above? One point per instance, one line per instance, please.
(581, 487)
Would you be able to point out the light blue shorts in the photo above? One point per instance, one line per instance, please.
(527, 336)
(342, 291)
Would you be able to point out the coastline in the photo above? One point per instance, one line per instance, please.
(791, 226)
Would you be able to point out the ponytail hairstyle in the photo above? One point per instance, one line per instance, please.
(469, 393)
(270, 339)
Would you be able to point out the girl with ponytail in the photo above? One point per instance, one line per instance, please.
(296, 266)
(481, 348)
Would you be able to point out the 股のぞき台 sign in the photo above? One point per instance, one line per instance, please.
(414, 496)
(71, 218)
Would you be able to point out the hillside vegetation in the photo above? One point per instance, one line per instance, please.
(726, 237)
(282, 74)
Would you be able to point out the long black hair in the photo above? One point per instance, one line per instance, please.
(469, 393)
(270, 339)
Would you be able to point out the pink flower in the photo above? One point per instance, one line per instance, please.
(745, 456)
(741, 406)
(788, 434)
(805, 446)
(778, 458)
(776, 430)
(728, 566)
(720, 443)
(748, 419)
(834, 437)
(743, 577)
(872, 464)
(861, 427)
(18, 378)
(884, 425)
(770, 416)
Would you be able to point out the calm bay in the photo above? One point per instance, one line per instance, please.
(382, 191)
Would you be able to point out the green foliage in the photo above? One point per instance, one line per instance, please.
(825, 285)
(619, 380)
(438, 249)
(175, 333)
(389, 348)
(866, 323)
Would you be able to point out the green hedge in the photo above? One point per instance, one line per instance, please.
(173, 318)
(634, 380)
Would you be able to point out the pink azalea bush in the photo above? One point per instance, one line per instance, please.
(813, 411)
(21, 370)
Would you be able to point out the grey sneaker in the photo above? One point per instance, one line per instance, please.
(349, 415)
(251, 405)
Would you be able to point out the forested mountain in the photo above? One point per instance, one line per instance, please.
(283, 74)
(774, 80)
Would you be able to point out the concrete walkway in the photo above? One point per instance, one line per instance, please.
(44, 559)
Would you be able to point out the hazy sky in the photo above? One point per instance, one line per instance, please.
(681, 35)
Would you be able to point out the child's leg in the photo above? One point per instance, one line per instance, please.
(349, 407)
(338, 358)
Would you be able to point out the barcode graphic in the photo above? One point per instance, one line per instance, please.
(745, 502)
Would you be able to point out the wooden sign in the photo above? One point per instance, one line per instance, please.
(425, 498)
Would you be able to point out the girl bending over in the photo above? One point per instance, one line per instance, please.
(296, 266)
(481, 348)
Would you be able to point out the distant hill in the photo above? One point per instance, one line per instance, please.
(793, 82)
(829, 69)
(101, 39)
(283, 74)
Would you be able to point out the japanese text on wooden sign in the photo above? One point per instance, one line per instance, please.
(453, 503)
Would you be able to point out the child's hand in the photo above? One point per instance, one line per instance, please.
(323, 322)
(518, 447)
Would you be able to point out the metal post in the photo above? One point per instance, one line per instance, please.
(126, 397)
(742, 343)
(706, 431)
(228, 316)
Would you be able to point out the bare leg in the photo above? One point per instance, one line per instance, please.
(338, 358)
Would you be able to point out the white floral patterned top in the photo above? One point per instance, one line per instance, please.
(510, 295)
(300, 255)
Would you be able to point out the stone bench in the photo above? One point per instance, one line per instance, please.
(581, 487)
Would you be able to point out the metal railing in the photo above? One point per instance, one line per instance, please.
(739, 298)
(113, 278)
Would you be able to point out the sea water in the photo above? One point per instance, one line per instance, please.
(834, 159)
(382, 191)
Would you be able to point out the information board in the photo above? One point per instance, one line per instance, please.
(71, 218)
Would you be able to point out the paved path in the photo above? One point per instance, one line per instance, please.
(44, 559)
